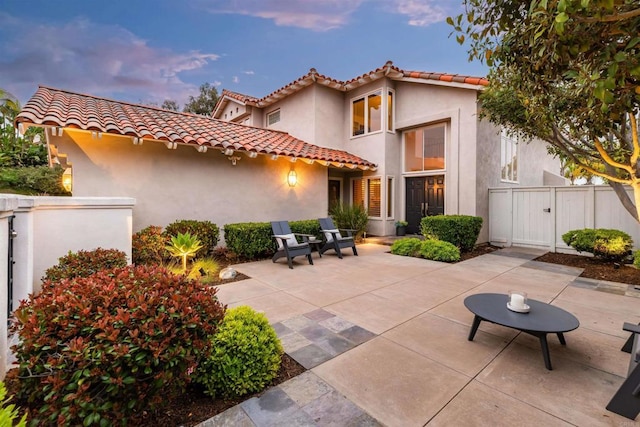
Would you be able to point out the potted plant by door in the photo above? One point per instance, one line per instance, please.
(401, 228)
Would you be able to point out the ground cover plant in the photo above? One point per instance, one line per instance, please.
(432, 249)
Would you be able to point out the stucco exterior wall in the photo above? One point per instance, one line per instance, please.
(330, 118)
(184, 184)
(297, 115)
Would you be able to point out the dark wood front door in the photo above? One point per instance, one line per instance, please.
(435, 195)
(334, 193)
(424, 197)
(415, 204)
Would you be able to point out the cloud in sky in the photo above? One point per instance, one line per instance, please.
(235, 79)
(317, 15)
(421, 12)
(94, 58)
(249, 73)
(324, 15)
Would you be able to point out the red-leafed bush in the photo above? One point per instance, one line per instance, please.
(100, 350)
(148, 246)
(85, 263)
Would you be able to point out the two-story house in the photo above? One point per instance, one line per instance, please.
(433, 153)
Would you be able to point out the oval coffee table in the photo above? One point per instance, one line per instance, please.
(541, 320)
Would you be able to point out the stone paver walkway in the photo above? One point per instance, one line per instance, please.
(385, 339)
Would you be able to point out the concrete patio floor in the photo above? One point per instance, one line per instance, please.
(385, 341)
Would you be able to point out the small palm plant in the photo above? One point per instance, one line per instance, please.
(184, 246)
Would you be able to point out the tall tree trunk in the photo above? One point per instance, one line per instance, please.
(628, 204)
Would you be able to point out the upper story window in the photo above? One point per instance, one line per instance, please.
(424, 148)
(508, 157)
(273, 117)
(390, 111)
(366, 114)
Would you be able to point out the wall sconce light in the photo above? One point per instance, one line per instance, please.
(67, 180)
(292, 178)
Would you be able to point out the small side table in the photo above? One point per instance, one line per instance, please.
(315, 244)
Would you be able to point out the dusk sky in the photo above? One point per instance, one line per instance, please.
(151, 50)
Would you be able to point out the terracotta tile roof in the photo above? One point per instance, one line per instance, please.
(55, 107)
(245, 99)
(387, 70)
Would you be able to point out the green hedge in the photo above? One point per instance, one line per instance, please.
(459, 230)
(254, 240)
(604, 243)
(33, 180)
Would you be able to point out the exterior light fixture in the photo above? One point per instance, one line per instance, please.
(67, 180)
(292, 178)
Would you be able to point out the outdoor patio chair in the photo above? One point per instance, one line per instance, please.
(334, 239)
(626, 401)
(288, 245)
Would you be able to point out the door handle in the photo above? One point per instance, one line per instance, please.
(546, 210)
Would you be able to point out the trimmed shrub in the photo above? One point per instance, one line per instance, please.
(254, 240)
(438, 250)
(246, 355)
(148, 246)
(85, 263)
(9, 412)
(99, 350)
(250, 240)
(636, 259)
(353, 217)
(612, 245)
(33, 180)
(207, 232)
(407, 247)
(459, 230)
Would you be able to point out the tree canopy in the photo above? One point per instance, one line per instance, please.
(16, 150)
(566, 72)
(204, 102)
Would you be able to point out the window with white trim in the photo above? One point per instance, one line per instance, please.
(273, 117)
(424, 148)
(508, 157)
(390, 181)
(390, 111)
(366, 192)
(366, 114)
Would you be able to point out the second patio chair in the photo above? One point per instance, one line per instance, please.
(288, 245)
(334, 239)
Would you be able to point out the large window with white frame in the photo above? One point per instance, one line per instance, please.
(367, 113)
(508, 157)
(367, 192)
(424, 148)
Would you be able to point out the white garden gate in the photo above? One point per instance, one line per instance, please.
(539, 216)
